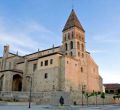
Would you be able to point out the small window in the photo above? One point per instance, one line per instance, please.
(65, 37)
(82, 47)
(82, 55)
(78, 53)
(34, 67)
(46, 75)
(111, 91)
(67, 62)
(51, 61)
(46, 62)
(41, 63)
(81, 69)
(68, 36)
(78, 45)
(66, 46)
(106, 91)
(71, 45)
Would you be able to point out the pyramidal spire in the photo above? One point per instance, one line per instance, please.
(73, 22)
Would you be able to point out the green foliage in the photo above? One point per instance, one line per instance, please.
(116, 96)
(103, 95)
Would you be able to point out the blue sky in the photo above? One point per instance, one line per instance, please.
(27, 25)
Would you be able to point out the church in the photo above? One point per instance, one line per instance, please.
(68, 67)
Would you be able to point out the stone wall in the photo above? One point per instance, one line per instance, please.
(52, 98)
(77, 97)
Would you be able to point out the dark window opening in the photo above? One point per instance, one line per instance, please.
(67, 62)
(41, 63)
(82, 55)
(78, 45)
(106, 91)
(68, 35)
(51, 61)
(34, 67)
(82, 47)
(71, 45)
(65, 37)
(46, 75)
(46, 62)
(111, 91)
(66, 47)
(78, 53)
(81, 69)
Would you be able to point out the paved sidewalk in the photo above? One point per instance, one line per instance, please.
(42, 107)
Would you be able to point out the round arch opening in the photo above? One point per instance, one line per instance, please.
(17, 83)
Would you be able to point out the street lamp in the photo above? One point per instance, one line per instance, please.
(30, 79)
(83, 90)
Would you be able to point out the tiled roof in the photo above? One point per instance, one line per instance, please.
(112, 86)
(73, 22)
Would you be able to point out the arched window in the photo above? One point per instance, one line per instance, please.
(82, 46)
(66, 46)
(65, 37)
(71, 54)
(72, 35)
(46, 75)
(68, 36)
(81, 69)
(79, 54)
(78, 45)
(82, 55)
(71, 45)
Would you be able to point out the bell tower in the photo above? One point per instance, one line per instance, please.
(74, 37)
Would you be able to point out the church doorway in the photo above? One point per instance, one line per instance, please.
(1, 82)
(17, 83)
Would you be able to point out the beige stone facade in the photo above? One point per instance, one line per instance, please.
(66, 68)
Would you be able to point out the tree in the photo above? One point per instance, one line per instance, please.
(96, 94)
(87, 96)
(103, 96)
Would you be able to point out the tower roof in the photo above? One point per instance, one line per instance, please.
(73, 22)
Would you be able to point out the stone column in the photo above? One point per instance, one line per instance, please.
(24, 75)
(7, 81)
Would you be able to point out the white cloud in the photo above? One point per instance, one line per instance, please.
(107, 38)
(97, 51)
(25, 38)
(110, 76)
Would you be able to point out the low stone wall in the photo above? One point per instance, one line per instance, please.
(52, 98)
(77, 97)
(39, 98)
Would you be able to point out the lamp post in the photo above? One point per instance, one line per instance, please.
(83, 90)
(30, 91)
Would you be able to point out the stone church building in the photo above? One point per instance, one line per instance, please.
(68, 67)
